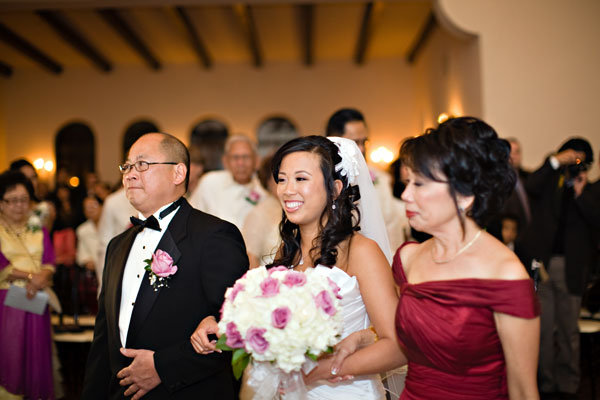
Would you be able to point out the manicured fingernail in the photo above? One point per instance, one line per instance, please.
(334, 371)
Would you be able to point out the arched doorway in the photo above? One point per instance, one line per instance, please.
(75, 152)
(134, 131)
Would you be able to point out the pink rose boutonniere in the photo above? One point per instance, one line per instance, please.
(253, 197)
(161, 268)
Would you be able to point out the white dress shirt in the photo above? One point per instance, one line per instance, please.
(218, 194)
(143, 247)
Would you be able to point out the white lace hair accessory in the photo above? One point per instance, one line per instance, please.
(348, 151)
(354, 167)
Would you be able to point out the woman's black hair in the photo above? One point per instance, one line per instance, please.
(336, 224)
(11, 179)
(466, 153)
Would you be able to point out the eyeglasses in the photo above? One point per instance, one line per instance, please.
(17, 200)
(140, 166)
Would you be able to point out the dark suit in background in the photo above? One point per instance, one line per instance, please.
(562, 236)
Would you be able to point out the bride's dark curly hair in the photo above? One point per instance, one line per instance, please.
(336, 224)
(473, 160)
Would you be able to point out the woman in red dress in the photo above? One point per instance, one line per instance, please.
(468, 319)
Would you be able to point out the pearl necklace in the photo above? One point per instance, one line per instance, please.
(459, 252)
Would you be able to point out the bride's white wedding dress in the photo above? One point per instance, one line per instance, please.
(355, 318)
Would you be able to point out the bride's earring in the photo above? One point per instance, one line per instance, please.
(333, 206)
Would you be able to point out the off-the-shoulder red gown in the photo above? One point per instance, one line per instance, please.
(447, 331)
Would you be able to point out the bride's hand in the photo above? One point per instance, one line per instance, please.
(345, 348)
(199, 338)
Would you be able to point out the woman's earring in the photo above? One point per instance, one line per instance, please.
(461, 209)
(333, 206)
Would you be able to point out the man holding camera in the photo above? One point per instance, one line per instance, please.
(561, 236)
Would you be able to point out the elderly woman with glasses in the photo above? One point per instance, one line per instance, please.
(26, 261)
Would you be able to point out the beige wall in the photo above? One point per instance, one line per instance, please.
(37, 104)
(539, 68)
(447, 78)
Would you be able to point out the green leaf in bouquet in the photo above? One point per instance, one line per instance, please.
(239, 362)
(329, 350)
(312, 356)
(221, 343)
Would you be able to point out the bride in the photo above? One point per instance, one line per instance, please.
(319, 184)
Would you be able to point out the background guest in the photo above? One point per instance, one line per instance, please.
(261, 226)
(26, 260)
(510, 230)
(196, 168)
(561, 235)
(232, 193)
(88, 248)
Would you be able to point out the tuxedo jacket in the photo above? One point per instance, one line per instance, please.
(581, 226)
(210, 255)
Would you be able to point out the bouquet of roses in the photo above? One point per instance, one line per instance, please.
(281, 319)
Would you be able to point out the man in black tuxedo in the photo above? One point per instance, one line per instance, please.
(142, 334)
(562, 236)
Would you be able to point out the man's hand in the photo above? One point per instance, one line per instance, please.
(199, 338)
(570, 156)
(140, 375)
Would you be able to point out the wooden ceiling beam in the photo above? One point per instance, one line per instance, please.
(5, 69)
(71, 35)
(114, 19)
(195, 38)
(244, 14)
(424, 34)
(20, 44)
(307, 17)
(364, 35)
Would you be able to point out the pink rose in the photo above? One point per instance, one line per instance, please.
(255, 337)
(294, 278)
(162, 264)
(325, 303)
(237, 287)
(335, 288)
(373, 176)
(254, 196)
(269, 287)
(280, 317)
(278, 268)
(234, 338)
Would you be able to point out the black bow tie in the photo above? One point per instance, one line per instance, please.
(151, 222)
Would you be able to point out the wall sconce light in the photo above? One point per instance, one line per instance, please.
(382, 155)
(74, 181)
(40, 164)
